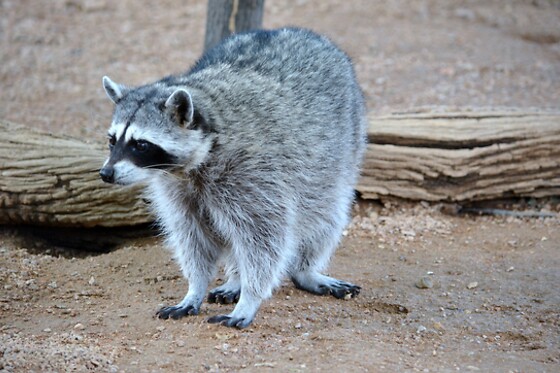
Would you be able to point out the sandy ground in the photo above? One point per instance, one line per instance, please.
(492, 298)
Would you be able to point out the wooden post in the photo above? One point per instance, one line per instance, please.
(226, 17)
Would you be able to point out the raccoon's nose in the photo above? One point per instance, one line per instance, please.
(107, 174)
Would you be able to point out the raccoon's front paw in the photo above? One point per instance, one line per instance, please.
(233, 322)
(176, 312)
(223, 296)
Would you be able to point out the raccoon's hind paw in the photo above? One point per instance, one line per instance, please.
(223, 296)
(341, 290)
(319, 284)
(232, 322)
(176, 312)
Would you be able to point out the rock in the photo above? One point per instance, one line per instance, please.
(424, 283)
(465, 13)
(472, 285)
(439, 326)
(409, 233)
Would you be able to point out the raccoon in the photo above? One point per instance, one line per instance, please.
(250, 160)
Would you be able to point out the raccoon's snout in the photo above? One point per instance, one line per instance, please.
(107, 174)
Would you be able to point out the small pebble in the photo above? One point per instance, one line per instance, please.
(424, 283)
(409, 233)
(421, 329)
(510, 269)
(465, 13)
(472, 285)
(95, 363)
(439, 326)
(79, 326)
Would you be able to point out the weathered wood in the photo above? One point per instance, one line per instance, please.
(461, 157)
(54, 180)
(226, 17)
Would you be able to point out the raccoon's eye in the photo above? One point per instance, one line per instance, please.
(140, 146)
(112, 141)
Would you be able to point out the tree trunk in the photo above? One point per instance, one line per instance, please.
(226, 17)
(459, 157)
(53, 180)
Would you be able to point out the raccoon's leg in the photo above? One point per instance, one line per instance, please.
(198, 259)
(307, 275)
(261, 267)
(315, 253)
(228, 292)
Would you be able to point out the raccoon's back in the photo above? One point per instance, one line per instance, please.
(288, 98)
(282, 80)
(273, 53)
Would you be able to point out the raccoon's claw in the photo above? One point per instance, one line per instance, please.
(223, 297)
(324, 285)
(176, 312)
(341, 290)
(232, 322)
(218, 319)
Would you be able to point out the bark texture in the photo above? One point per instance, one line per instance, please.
(226, 17)
(454, 157)
(54, 181)
(459, 157)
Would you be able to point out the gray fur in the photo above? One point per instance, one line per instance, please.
(264, 169)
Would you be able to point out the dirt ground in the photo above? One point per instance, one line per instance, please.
(491, 298)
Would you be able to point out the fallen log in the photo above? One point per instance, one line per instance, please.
(458, 157)
(53, 180)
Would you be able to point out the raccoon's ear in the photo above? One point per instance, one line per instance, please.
(180, 107)
(114, 91)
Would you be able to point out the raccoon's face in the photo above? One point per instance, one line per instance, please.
(153, 130)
